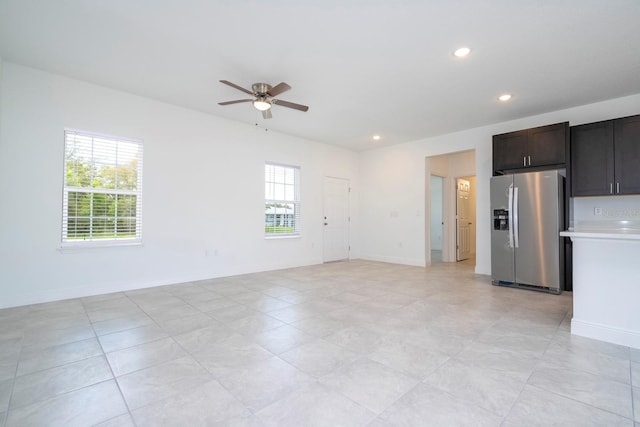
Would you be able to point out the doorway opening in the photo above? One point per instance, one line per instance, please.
(457, 241)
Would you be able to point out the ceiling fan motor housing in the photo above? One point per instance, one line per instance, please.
(261, 89)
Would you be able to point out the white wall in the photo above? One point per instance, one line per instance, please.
(393, 183)
(203, 192)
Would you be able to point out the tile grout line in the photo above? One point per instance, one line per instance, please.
(580, 370)
(533, 370)
(114, 378)
(13, 381)
(191, 355)
(15, 374)
(581, 402)
(633, 409)
(61, 365)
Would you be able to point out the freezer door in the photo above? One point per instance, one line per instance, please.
(538, 217)
(502, 254)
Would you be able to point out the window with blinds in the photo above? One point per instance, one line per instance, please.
(282, 200)
(102, 202)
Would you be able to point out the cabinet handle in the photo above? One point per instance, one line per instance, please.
(529, 160)
(617, 187)
(611, 188)
(524, 160)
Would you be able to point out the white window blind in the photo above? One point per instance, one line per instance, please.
(282, 200)
(102, 202)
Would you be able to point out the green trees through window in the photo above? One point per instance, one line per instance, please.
(102, 188)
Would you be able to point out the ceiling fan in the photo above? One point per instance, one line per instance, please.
(264, 97)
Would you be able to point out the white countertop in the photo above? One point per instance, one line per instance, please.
(603, 234)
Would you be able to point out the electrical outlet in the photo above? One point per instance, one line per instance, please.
(597, 211)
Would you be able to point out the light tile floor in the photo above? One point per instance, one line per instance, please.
(354, 343)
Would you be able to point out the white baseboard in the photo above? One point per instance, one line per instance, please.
(394, 260)
(625, 337)
(58, 294)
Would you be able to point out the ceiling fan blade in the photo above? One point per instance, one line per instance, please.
(290, 104)
(234, 102)
(266, 114)
(233, 85)
(278, 89)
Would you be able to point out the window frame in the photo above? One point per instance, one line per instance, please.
(295, 202)
(117, 193)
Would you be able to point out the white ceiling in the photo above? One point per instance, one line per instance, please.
(363, 66)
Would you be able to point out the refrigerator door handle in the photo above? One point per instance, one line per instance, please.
(510, 208)
(516, 233)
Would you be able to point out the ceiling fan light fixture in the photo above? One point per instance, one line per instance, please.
(462, 52)
(261, 104)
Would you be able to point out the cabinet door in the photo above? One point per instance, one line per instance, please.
(592, 159)
(546, 145)
(626, 134)
(509, 150)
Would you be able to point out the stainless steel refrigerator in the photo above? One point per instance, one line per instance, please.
(527, 211)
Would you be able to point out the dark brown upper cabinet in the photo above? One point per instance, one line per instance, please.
(537, 148)
(605, 157)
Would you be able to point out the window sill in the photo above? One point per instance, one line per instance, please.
(79, 247)
(284, 236)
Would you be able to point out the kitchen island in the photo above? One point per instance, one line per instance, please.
(606, 282)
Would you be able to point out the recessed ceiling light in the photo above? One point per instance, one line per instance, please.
(462, 52)
(376, 137)
(505, 97)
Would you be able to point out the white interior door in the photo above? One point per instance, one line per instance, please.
(463, 220)
(336, 219)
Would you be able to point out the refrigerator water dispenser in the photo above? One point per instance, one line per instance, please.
(500, 219)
